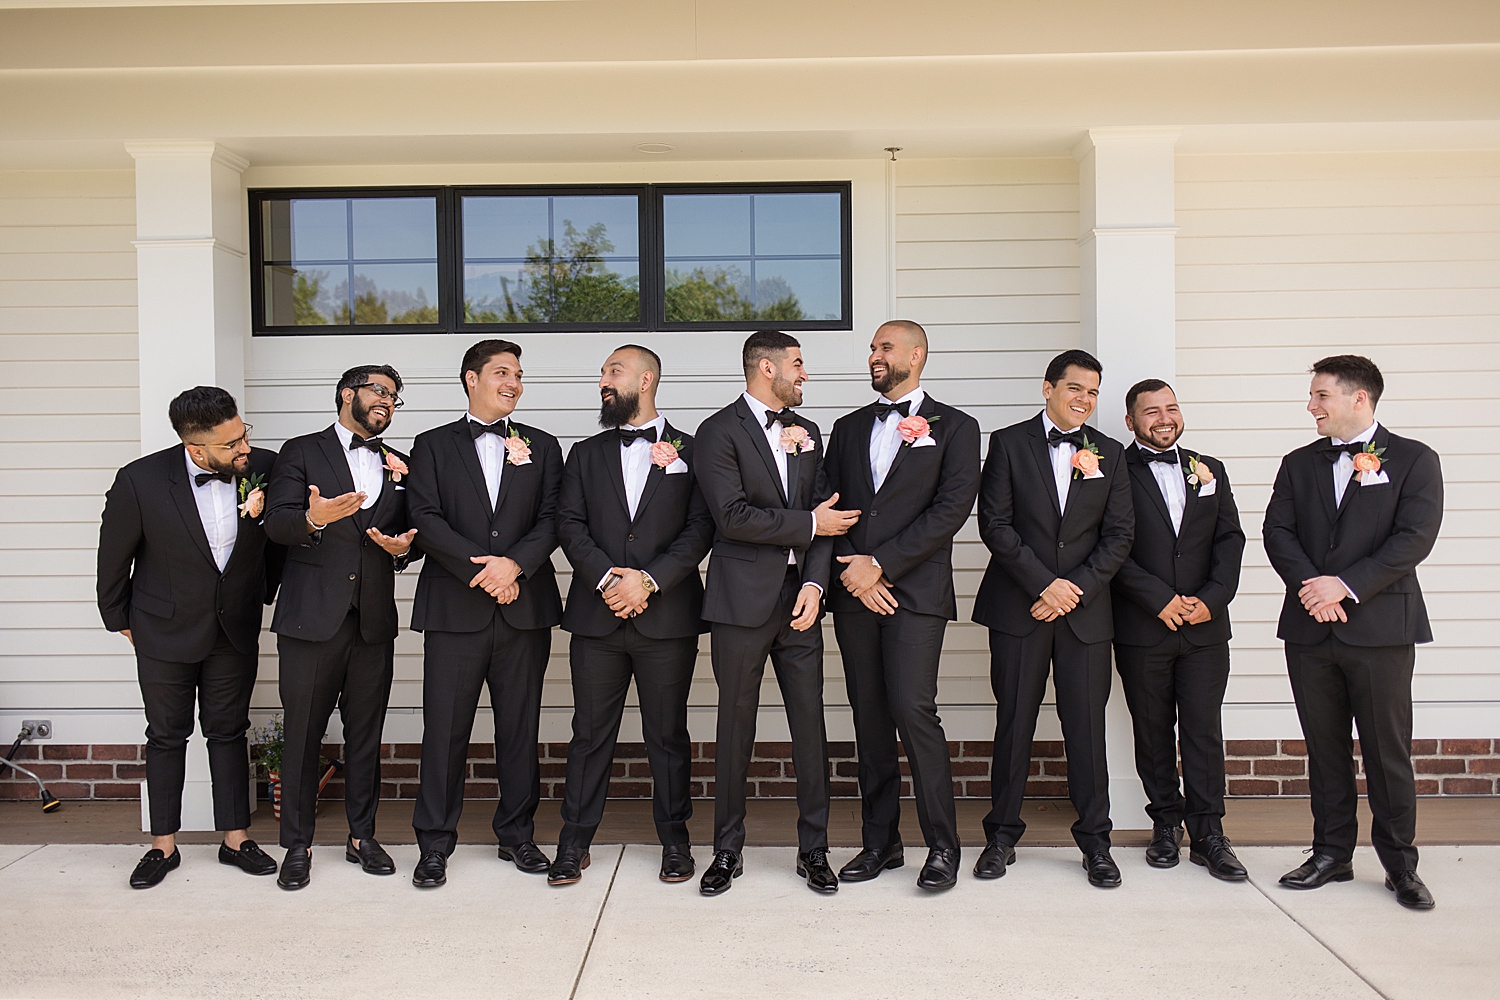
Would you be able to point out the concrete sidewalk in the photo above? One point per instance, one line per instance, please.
(78, 932)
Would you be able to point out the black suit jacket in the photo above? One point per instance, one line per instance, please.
(1202, 560)
(1031, 544)
(671, 533)
(324, 568)
(756, 523)
(157, 575)
(908, 526)
(1373, 541)
(449, 506)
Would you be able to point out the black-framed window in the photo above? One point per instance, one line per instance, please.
(567, 258)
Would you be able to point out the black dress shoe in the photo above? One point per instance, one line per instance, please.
(370, 856)
(677, 864)
(1318, 871)
(1410, 890)
(814, 867)
(151, 869)
(528, 858)
(993, 860)
(296, 869)
(431, 870)
(1103, 872)
(249, 859)
(1215, 854)
(727, 866)
(941, 870)
(1165, 849)
(871, 861)
(569, 866)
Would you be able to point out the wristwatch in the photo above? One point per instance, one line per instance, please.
(648, 584)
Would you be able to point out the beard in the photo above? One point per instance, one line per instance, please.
(893, 377)
(617, 408)
(787, 391)
(233, 463)
(361, 415)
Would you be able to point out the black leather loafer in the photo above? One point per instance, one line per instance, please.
(941, 870)
(994, 859)
(527, 857)
(1103, 872)
(569, 865)
(727, 866)
(871, 861)
(296, 869)
(1215, 854)
(1317, 871)
(151, 869)
(1410, 890)
(431, 870)
(1165, 849)
(677, 864)
(249, 859)
(814, 867)
(370, 857)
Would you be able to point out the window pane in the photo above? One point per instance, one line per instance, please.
(503, 227)
(799, 289)
(305, 296)
(797, 224)
(395, 228)
(707, 225)
(320, 230)
(394, 293)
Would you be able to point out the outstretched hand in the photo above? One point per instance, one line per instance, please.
(325, 510)
(396, 545)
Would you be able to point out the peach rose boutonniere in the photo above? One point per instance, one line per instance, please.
(517, 448)
(795, 440)
(1199, 474)
(664, 452)
(1368, 461)
(252, 495)
(394, 465)
(1086, 461)
(915, 428)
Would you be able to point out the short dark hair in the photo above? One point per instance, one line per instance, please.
(358, 376)
(1058, 366)
(1145, 385)
(476, 357)
(201, 409)
(765, 344)
(655, 362)
(1353, 372)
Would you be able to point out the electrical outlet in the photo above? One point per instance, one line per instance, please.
(41, 729)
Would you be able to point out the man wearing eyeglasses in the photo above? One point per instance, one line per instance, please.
(184, 568)
(337, 501)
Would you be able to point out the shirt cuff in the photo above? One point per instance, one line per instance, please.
(1353, 596)
(809, 583)
(603, 580)
(815, 523)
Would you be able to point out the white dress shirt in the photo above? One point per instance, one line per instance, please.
(1343, 471)
(492, 456)
(1172, 482)
(885, 440)
(365, 466)
(218, 509)
(1062, 462)
(760, 411)
(635, 462)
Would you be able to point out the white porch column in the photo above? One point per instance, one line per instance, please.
(1127, 262)
(194, 312)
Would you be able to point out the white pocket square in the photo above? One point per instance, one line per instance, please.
(1374, 479)
(1096, 474)
(1208, 489)
(524, 461)
(677, 466)
(400, 487)
(924, 442)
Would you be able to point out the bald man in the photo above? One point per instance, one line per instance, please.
(912, 463)
(635, 526)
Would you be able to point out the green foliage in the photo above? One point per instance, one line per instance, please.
(269, 742)
(706, 296)
(305, 292)
(564, 281)
(370, 308)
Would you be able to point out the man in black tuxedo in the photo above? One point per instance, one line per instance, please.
(761, 469)
(1171, 604)
(913, 464)
(184, 570)
(634, 525)
(1350, 518)
(483, 496)
(1055, 513)
(338, 504)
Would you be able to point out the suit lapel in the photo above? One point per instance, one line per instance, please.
(181, 488)
(1043, 458)
(654, 475)
(329, 442)
(1141, 470)
(864, 426)
(757, 433)
(507, 472)
(1323, 474)
(469, 459)
(1380, 440)
(616, 472)
(928, 407)
(1189, 494)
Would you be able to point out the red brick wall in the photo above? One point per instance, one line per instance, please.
(1255, 767)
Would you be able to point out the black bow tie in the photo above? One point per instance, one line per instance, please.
(629, 436)
(499, 428)
(208, 477)
(1074, 438)
(356, 442)
(883, 410)
(786, 417)
(1170, 457)
(1332, 451)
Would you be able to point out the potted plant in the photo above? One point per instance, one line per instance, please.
(270, 741)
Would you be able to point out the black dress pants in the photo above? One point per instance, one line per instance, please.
(890, 669)
(739, 658)
(1336, 684)
(1175, 691)
(602, 667)
(455, 666)
(221, 684)
(315, 677)
(1080, 671)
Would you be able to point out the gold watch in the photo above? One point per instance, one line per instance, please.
(648, 584)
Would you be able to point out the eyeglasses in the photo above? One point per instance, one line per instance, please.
(232, 445)
(383, 393)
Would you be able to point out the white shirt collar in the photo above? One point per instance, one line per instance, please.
(1147, 447)
(481, 423)
(916, 396)
(1367, 435)
(660, 423)
(759, 408)
(194, 468)
(344, 433)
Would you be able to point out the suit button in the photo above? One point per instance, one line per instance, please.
(351, 576)
(630, 538)
(1062, 544)
(494, 534)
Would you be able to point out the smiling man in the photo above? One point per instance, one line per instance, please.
(1055, 512)
(483, 495)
